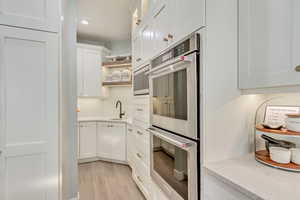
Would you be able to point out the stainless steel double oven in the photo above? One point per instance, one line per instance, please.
(174, 93)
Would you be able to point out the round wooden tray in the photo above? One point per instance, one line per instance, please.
(280, 132)
(263, 157)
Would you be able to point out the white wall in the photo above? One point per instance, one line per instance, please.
(69, 178)
(120, 47)
(93, 107)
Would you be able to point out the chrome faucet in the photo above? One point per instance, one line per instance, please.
(121, 114)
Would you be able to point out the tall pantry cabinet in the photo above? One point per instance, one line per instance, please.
(29, 99)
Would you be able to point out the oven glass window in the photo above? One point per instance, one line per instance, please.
(141, 81)
(170, 95)
(171, 163)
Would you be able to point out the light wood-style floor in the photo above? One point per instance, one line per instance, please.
(107, 181)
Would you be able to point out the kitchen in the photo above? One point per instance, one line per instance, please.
(148, 99)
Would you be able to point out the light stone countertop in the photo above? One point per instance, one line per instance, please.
(104, 119)
(257, 180)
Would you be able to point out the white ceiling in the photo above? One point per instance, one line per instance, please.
(109, 20)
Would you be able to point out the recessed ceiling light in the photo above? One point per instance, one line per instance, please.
(84, 22)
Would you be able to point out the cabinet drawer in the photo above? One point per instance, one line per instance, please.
(143, 182)
(142, 146)
(141, 113)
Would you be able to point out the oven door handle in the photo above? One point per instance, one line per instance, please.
(177, 61)
(175, 140)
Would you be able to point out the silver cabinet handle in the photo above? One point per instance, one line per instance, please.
(138, 60)
(140, 133)
(0, 152)
(139, 155)
(139, 178)
(170, 36)
(297, 68)
(138, 22)
(139, 109)
(130, 130)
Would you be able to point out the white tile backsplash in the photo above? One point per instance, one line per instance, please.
(94, 107)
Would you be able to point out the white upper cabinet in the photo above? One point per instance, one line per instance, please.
(147, 47)
(167, 22)
(89, 77)
(162, 26)
(29, 114)
(189, 16)
(269, 43)
(137, 50)
(34, 14)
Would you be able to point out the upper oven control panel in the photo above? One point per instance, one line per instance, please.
(184, 47)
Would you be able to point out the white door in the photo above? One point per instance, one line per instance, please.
(162, 24)
(29, 114)
(189, 15)
(269, 43)
(80, 71)
(92, 76)
(112, 141)
(87, 140)
(34, 14)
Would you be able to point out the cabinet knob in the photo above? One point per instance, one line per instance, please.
(130, 130)
(138, 22)
(170, 36)
(165, 39)
(297, 68)
(138, 60)
(139, 178)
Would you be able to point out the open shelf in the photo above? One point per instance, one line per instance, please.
(264, 157)
(117, 64)
(280, 132)
(121, 83)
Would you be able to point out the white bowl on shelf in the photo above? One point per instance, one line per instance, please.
(296, 155)
(280, 155)
(293, 122)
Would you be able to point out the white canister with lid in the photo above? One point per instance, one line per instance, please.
(296, 155)
(293, 122)
(280, 155)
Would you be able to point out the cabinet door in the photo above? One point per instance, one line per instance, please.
(162, 26)
(29, 114)
(88, 140)
(269, 43)
(130, 144)
(34, 14)
(147, 42)
(80, 72)
(188, 16)
(112, 141)
(136, 51)
(92, 76)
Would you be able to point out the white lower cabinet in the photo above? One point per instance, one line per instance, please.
(87, 140)
(111, 141)
(130, 144)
